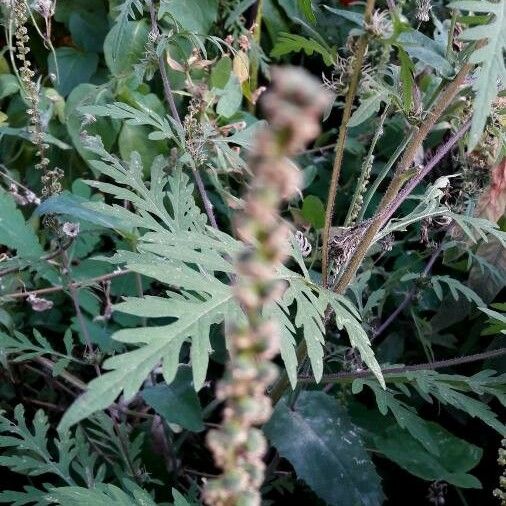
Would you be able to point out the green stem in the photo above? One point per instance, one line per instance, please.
(365, 172)
(341, 141)
(255, 65)
(381, 176)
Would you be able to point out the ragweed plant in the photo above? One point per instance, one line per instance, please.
(267, 287)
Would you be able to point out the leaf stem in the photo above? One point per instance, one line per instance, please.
(427, 366)
(410, 295)
(74, 284)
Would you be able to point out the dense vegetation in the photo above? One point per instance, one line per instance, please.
(252, 251)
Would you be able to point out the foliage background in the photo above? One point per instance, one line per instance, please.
(98, 72)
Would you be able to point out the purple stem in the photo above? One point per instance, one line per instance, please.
(410, 295)
(442, 151)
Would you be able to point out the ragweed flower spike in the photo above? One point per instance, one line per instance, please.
(293, 108)
(50, 177)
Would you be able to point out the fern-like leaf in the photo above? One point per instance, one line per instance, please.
(103, 494)
(291, 43)
(126, 10)
(489, 57)
(26, 451)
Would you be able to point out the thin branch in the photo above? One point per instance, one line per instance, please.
(68, 377)
(441, 152)
(80, 385)
(341, 141)
(410, 295)
(169, 96)
(12, 180)
(428, 366)
(47, 257)
(319, 149)
(58, 288)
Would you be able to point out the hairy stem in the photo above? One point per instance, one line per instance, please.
(343, 130)
(58, 288)
(47, 257)
(444, 99)
(392, 192)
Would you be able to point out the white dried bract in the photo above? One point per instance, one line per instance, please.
(380, 25)
(23, 197)
(39, 304)
(70, 229)
(45, 8)
(304, 244)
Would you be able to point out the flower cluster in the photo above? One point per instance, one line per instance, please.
(423, 8)
(293, 107)
(50, 178)
(500, 492)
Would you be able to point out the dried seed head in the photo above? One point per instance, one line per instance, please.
(380, 25)
(293, 107)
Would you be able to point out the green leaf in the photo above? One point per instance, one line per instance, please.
(103, 494)
(318, 439)
(8, 85)
(313, 211)
(135, 138)
(220, 73)
(89, 30)
(29, 496)
(72, 66)
(177, 403)
(407, 80)
(291, 43)
(306, 8)
(355, 17)
(231, 98)
(132, 115)
(15, 232)
(78, 207)
(425, 49)
(367, 108)
(28, 448)
(107, 128)
(23, 133)
(196, 16)
(126, 10)
(131, 37)
(450, 458)
(489, 57)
